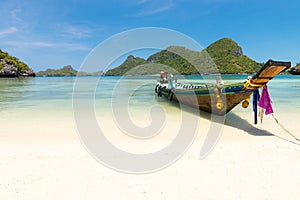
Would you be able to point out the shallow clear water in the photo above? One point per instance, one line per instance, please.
(53, 95)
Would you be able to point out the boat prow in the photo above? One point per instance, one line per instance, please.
(267, 72)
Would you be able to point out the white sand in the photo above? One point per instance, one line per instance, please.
(45, 160)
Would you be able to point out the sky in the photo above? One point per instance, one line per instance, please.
(54, 33)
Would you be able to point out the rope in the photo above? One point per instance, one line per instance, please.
(249, 84)
(288, 140)
(282, 138)
(285, 128)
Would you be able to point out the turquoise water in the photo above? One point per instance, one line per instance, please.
(51, 95)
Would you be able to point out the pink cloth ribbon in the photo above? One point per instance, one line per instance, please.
(265, 101)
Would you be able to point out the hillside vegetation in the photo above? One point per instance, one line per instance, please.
(224, 56)
(130, 63)
(229, 58)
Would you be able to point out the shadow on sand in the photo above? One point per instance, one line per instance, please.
(233, 120)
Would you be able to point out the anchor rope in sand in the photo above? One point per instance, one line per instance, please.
(287, 131)
(285, 139)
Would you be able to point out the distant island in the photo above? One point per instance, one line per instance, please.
(295, 70)
(225, 53)
(67, 71)
(11, 66)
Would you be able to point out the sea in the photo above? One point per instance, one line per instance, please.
(52, 97)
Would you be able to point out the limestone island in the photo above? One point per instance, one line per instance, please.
(12, 67)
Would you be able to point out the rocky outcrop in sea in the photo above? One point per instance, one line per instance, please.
(9, 69)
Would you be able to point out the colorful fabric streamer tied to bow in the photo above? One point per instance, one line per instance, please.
(265, 103)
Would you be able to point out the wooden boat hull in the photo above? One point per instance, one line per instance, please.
(207, 102)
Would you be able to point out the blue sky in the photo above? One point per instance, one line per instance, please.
(51, 34)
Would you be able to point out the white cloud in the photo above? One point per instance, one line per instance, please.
(79, 31)
(155, 11)
(154, 7)
(8, 31)
(41, 44)
(29, 44)
(142, 1)
(74, 31)
(14, 15)
(75, 47)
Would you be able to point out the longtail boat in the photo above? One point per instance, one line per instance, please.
(218, 98)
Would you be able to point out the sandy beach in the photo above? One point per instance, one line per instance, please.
(44, 159)
(101, 100)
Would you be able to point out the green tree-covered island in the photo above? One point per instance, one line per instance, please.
(225, 55)
(67, 71)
